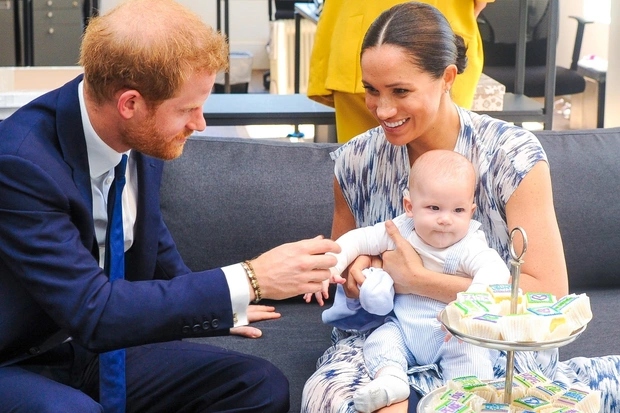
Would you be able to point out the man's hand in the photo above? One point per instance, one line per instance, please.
(255, 313)
(295, 268)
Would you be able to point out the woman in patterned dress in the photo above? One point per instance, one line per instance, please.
(410, 58)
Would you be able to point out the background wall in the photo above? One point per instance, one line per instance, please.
(249, 24)
(249, 28)
(249, 31)
(612, 103)
(595, 38)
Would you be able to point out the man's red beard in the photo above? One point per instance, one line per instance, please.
(149, 140)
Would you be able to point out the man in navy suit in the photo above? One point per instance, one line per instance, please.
(149, 65)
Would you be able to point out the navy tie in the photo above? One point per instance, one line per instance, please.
(112, 393)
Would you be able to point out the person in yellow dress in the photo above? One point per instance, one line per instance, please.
(335, 77)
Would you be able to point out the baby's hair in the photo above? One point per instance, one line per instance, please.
(441, 164)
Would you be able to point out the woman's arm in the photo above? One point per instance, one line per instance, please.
(403, 264)
(479, 5)
(544, 267)
(410, 277)
(531, 207)
(343, 217)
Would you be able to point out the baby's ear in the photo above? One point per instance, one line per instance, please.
(408, 206)
(473, 209)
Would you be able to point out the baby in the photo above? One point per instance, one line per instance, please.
(438, 223)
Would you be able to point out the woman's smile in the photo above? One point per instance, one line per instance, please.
(395, 124)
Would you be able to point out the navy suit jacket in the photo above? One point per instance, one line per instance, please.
(50, 281)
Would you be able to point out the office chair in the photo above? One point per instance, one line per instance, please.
(498, 24)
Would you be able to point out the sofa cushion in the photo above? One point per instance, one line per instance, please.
(226, 200)
(293, 343)
(601, 337)
(585, 173)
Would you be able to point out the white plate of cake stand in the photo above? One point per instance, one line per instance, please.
(508, 346)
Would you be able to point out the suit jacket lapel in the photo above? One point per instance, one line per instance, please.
(73, 145)
(71, 137)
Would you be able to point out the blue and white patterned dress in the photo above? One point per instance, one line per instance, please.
(373, 175)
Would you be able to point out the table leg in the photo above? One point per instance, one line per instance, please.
(297, 49)
(600, 112)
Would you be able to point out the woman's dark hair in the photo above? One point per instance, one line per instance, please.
(423, 33)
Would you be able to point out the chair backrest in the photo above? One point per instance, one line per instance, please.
(520, 53)
(285, 9)
(498, 24)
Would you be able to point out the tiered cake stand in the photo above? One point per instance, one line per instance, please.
(508, 346)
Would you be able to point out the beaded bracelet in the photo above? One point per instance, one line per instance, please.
(247, 266)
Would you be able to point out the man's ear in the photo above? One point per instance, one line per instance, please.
(128, 102)
(408, 206)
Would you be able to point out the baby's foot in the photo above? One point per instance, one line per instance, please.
(383, 391)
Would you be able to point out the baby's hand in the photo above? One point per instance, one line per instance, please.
(320, 295)
(335, 277)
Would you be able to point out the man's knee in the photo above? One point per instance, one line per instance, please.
(80, 404)
(25, 391)
(267, 385)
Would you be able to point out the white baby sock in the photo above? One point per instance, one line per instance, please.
(389, 387)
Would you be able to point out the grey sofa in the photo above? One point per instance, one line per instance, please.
(229, 199)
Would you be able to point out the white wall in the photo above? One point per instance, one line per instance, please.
(612, 96)
(249, 24)
(599, 39)
(595, 38)
(249, 31)
(249, 28)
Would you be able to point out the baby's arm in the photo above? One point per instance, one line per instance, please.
(484, 264)
(360, 241)
(371, 240)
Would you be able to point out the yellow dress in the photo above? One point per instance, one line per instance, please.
(335, 77)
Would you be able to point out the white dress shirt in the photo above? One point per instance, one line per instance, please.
(101, 160)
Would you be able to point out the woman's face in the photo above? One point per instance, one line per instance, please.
(404, 99)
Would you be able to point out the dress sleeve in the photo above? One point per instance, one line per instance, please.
(518, 152)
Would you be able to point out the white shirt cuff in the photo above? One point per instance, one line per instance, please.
(238, 284)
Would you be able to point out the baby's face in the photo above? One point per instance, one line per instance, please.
(441, 211)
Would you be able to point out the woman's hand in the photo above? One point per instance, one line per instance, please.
(410, 277)
(403, 263)
(354, 277)
(255, 313)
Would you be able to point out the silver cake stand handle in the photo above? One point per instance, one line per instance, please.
(515, 273)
